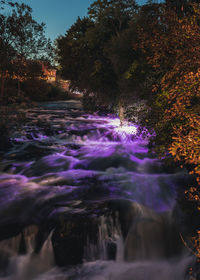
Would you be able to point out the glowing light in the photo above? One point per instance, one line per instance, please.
(127, 128)
(114, 122)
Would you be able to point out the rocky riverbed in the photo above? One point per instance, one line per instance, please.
(82, 198)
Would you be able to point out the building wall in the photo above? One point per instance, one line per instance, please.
(50, 74)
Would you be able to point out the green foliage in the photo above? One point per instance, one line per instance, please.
(33, 69)
(40, 91)
(27, 38)
(112, 14)
(182, 7)
(36, 90)
(57, 93)
(96, 53)
(22, 44)
(11, 118)
(81, 56)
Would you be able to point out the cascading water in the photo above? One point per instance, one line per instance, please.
(82, 198)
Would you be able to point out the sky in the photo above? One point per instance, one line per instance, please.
(59, 15)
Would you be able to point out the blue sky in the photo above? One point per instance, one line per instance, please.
(59, 15)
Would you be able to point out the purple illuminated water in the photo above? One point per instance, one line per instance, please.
(65, 163)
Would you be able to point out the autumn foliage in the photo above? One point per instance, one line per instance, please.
(172, 48)
(183, 102)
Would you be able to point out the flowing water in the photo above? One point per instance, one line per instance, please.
(83, 198)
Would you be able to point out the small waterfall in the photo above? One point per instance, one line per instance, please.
(27, 266)
(147, 270)
(153, 236)
(29, 234)
(109, 242)
(152, 249)
(11, 246)
(20, 244)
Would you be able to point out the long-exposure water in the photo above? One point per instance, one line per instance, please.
(82, 198)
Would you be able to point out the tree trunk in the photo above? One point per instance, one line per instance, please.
(121, 114)
(2, 84)
(18, 87)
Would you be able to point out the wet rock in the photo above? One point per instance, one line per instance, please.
(197, 269)
(112, 161)
(153, 237)
(53, 163)
(10, 230)
(126, 212)
(4, 261)
(32, 151)
(84, 239)
(111, 250)
(70, 238)
(5, 143)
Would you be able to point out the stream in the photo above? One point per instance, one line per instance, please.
(82, 198)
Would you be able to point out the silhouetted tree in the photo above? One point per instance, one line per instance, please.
(21, 39)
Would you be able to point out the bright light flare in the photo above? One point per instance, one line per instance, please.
(126, 128)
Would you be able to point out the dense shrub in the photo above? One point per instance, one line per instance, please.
(40, 90)
(11, 117)
(36, 90)
(55, 92)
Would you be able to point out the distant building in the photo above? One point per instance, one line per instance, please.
(49, 73)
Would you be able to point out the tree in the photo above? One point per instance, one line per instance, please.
(10, 3)
(173, 44)
(115, 14)
(181, 7)
(73, 53)
(114, 18)
(33, 70)
(28, 39)
(85, 52)
(21, 39)
(80, 54)
(7, 53)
